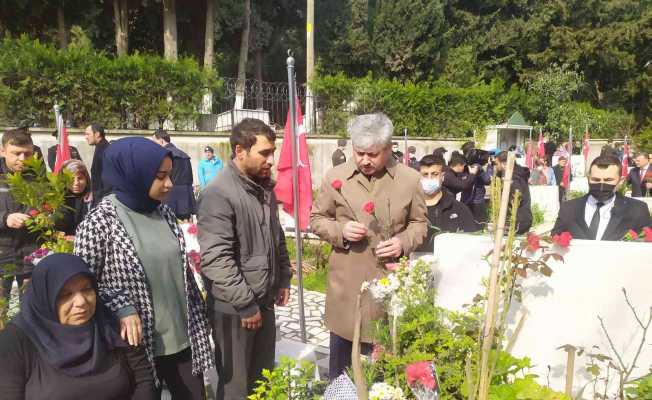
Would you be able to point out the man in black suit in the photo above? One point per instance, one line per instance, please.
(640, 177)
(94, 134)
(602, 214)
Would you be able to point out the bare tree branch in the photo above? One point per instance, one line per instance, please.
(611, 344)
(631, 307)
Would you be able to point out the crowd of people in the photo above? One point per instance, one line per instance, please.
(124, 315)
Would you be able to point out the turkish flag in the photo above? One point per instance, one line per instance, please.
(586, 148)
(283, 189)
(529, 157)
(542, 146)
(63, 147)
(565, 180)
(625, 162)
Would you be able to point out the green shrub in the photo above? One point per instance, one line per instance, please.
(91, 86)
(315, 252)
(426, 109)
(538, 215)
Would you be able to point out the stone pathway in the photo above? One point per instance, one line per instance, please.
(288, 318)
(288, 340)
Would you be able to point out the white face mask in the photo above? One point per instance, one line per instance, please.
(430, 186)
(540, 167)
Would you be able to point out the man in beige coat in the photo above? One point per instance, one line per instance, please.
(359, 238)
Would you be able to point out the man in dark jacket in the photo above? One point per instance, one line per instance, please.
(458, 177)
(338, 156)
(602, 214)
(445, 214)
(520, 178)
(244, 260)
(640, 177)
(94, 134)
(182, 197)
(15, 240)
(559, 176)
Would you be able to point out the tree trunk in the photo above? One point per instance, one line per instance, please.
(121, 22)
(259, 79)
(242, 62)
(62, 32)
(170, 30)
(209, 52)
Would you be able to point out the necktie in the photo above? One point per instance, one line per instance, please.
(595, 222)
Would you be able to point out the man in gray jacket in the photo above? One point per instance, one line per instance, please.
(244, 259)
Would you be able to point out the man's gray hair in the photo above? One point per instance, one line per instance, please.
(370, 130)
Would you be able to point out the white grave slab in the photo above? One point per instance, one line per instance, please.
(562, 309)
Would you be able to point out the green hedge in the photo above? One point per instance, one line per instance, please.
(440, 109)
(92, 86)
(426, 109)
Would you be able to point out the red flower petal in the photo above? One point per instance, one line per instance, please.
(336, 184)
(369, 207)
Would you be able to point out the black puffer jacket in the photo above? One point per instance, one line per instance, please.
(520, 180)
(15, 244)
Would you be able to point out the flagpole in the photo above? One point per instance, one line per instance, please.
(406, 156)
(570, 156)
(295, 189)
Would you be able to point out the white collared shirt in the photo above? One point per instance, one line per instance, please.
(605, 214)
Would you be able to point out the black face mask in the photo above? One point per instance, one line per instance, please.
(601, 191)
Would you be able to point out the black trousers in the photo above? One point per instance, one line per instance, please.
(340, 355)
(242, 354)
(176, 371)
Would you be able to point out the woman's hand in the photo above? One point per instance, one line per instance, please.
(131, 330)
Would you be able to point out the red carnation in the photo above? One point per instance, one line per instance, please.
(631, 235)
(647, 234)
(563, 239)
(192, 229)
(337, 184)
(369, 207)
(195, 260)
(533, 241)
(46, 207)
(33, 213)
(421, 373)
(377, 352)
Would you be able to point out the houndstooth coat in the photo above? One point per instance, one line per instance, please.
(103, 242)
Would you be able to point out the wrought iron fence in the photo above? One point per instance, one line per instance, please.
(264, 100)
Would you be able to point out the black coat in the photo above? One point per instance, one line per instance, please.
(15, 244)
(638, 187)
(626, 214)
(126, 374)
(74, 213)
(449, 215)
(338, 157)
(99, 188)
(182, 197)
(52, 155)
(520, 180)
(455, 183)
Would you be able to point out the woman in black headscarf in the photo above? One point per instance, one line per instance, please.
(65, 345)
(136, 248)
